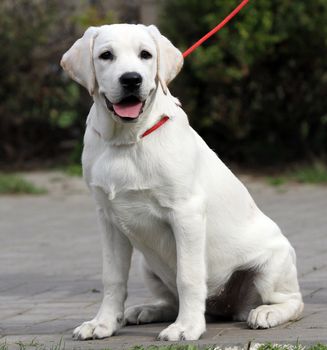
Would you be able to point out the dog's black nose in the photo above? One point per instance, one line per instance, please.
(131, 81)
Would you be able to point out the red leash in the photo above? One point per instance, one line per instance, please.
(192, 48)
(216, 29)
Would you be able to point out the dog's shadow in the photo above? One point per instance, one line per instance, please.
(152, 329)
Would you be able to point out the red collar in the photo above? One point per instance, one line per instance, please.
(155, 126)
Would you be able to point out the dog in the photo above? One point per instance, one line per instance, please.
(207, 249)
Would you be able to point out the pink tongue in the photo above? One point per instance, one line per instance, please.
(128, 110)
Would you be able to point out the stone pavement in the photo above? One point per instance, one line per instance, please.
(50, 267)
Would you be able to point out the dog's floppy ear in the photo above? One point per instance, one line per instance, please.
(170, 59)
(78, 60)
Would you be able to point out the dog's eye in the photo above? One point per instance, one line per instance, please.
(107, 55)
(145, 55)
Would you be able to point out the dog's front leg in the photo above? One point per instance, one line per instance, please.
(188, 223)
(116, 252)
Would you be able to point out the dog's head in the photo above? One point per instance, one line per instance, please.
(124, 64)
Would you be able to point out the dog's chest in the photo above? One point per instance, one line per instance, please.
(135, 198)
(120, 172)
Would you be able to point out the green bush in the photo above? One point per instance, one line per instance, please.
(42, 112)
(256, 91)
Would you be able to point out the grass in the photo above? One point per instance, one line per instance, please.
(277, 181)
(32, 344)
(15, 184)
(35, 345)
(314, 174)
(267, 346)
(74, 170)
(270, 346)
(170, 347)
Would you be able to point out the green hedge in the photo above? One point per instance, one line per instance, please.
(42, 112)
(257, 90)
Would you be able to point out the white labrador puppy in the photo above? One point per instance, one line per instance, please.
(158, 187)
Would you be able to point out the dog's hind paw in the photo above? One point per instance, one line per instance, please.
(150, 313)
(264, 316)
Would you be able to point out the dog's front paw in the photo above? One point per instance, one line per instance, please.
(178, 331)
(96, 329)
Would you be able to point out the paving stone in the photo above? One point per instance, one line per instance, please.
(50, 268)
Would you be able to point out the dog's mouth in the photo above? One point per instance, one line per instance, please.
(128, 109)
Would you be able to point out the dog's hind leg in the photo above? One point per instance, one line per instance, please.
(165, 309)
(278, 287)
